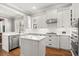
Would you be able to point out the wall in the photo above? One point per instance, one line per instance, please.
(12, 24)
(7, 24)
(22, 23)
(40, 20)
(19, 26)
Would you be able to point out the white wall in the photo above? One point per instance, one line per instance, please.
(7, 24)
(40, 20)
(17, 20)
(25, 23)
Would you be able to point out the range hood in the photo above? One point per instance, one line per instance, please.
(50, 21)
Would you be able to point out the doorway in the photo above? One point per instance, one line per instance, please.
(1, 19)
(0, 41)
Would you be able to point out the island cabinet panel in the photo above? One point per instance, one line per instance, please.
(31, 47)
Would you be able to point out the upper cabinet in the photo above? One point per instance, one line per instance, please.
(75, 14)
(59, 17)
(75, 10)
(63, 17)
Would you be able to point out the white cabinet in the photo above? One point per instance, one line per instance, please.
(66, 17)
(64, 42)
(5, 45)
(63, 17)
(75, 10)
(59, 41)
(9, 42)
(15, 41)
(59, 18)
(52, 41)
(31, 47)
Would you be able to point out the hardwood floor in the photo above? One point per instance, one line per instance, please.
(15, 52)
(57, 52)
(49, 52)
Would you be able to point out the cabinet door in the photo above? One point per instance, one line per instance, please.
(55, 42)
(66, 17)
(64, 42)
(15, 41)
(59, 17)
(63, 17)
(10, 42)
(75, 10)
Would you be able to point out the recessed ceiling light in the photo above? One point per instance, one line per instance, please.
(34, 8)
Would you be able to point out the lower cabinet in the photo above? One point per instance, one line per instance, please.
(10, 42)
(65, 42)
(52, 41)
(13, 42)
(59, 41)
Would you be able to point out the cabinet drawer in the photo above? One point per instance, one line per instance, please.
(54, 45)
(49, 41)
(49, 45)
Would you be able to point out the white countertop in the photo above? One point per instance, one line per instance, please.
(40, 31)
(33, 37)
(10, 33)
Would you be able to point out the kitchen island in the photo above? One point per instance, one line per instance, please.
(10, 40)
(32, 45)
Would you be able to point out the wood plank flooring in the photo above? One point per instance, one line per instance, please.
(49, 52)
(57, 52)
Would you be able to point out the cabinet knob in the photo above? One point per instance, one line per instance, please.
(50, 40)
(50, 44)
(50, 36)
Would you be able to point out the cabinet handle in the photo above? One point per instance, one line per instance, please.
(50, 44)
(50, 40)
(76, 36)
(49, 36)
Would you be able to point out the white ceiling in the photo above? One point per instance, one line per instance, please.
(8, 12)
(27, 7)
(13, 9)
